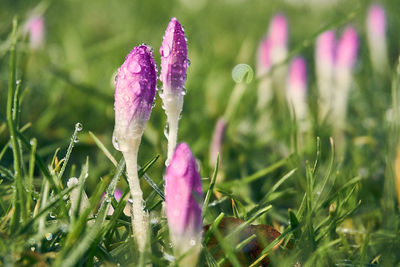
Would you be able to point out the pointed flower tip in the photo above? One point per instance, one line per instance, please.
(135, 88)
(183, 195)
(35, 27)
(326, 47)
(376, 21)
(298, 74)
(264, 54)
(347, 48)
(278, 30)
(174, 60)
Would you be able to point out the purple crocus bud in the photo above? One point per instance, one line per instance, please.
(278, 30)
(347, 48)
(183, 195)
(298, 74)
(174, 61)
(278, 34)
(325, 53)
(297, 90)
(376, 33)
(35, 27)
(135, 88)
(217, 139)
(376, 21)
(264, 56)
(325, 63)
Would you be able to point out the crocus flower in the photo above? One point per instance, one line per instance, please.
(297, 89)
(346, 56)
(217, 139)
(272, 51)
(174, 63)
(135, 88)
(35, 28)
(74, 197)
(376, 33)
(278, 32)
(324, 61)
(347, 48)
(183, 196)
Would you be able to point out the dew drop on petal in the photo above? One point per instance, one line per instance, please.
(166, 130)
(115, 143)
(166, 51)
(134, 67)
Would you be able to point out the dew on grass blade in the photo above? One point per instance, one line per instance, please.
(78, 127)
(241, 72)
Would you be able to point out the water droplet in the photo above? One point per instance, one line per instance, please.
(49, 236)
(18, 82)
(134, 67)
(166, 50)
(115, 143)
(192, 242)
(184, 91)
(76, 140)
(166, 130)
(78, 127)
(187, 61)
(51, 215)
(33, 248)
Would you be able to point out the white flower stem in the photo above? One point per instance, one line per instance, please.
(173, 103)
(138, 215)
(173, 121)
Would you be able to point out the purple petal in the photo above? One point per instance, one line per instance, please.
(183, 193)
(174, 61)
(135, 86)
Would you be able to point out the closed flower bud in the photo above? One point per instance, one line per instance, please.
(278, 32)
(347, 48)
(135, 88)
(183, 195)
(376, 33)
(174, 63)
(297, 90)
(35, 28)
(325, 62)
(217, 139)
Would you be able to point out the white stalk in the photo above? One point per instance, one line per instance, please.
(139, 216)
(173, 103)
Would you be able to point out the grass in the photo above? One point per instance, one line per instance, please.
(334, 202)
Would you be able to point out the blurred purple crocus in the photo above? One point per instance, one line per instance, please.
(135, 88)
(376, 21)
(183, 195)
(35, 28)
(325, 63)
(174, 63)
(217, 139)
(347, 48)
(346, 56)
(272, 50)
(376, 33)
(297, 90)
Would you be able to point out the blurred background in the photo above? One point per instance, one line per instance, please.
(69, 79)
